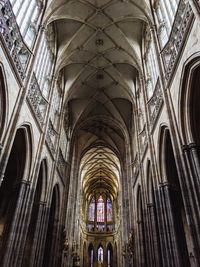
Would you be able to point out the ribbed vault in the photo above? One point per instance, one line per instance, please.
(99, 52)
(100, 170)
(99, 46)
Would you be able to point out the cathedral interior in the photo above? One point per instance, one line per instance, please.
(99, 133)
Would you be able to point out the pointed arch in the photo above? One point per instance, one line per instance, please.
(14, 188)
(178, 241)
(149, 182)
(100, 253)
(3, 100)
(189, 104)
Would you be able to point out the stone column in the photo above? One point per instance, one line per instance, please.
(171, 251)
(141, 248)
(153, 233)
(39, 237)
(193, 192)
(147, 242)
(196, 164)
(16, 227)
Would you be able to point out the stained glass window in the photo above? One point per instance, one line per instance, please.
(100, 254)
(100, 210)
(109, 210)
(91, 210)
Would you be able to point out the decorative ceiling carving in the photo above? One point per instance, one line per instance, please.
(99, 49)
(100, 170)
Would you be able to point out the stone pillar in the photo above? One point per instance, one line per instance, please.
(16, 227)
(141, 254)
(153, 236)
(39, 237)
(171, 251)
(54, 256)
(147, 241)
(192, 183)
(195, 164)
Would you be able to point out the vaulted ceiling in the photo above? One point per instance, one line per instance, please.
(100, 171)
(99, 51)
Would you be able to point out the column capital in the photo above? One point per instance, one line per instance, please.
(193, 145)
(185, 148)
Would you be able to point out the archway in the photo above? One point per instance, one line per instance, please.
(179, 241)
(35, 224)
(2, 102)
(51, 238)
(189, 106)
(190, 122)
(10, 187)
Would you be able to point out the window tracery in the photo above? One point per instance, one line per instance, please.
(109, 210)
(100, 209)
(100, 214)
(27, 13)
(91, 214)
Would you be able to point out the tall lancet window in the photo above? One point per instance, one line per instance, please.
(100, 210)
(91, 211)
(109, 210)
(100, 254)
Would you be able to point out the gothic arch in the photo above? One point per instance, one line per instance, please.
(29, 144)
(176, 217)
(44, 170)
(164, 130)
(188, 101)
(15, 185)
(149, 182)
(3, 100)
(138, 202)
(100, 252)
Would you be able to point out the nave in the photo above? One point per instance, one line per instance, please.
(99, 133)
